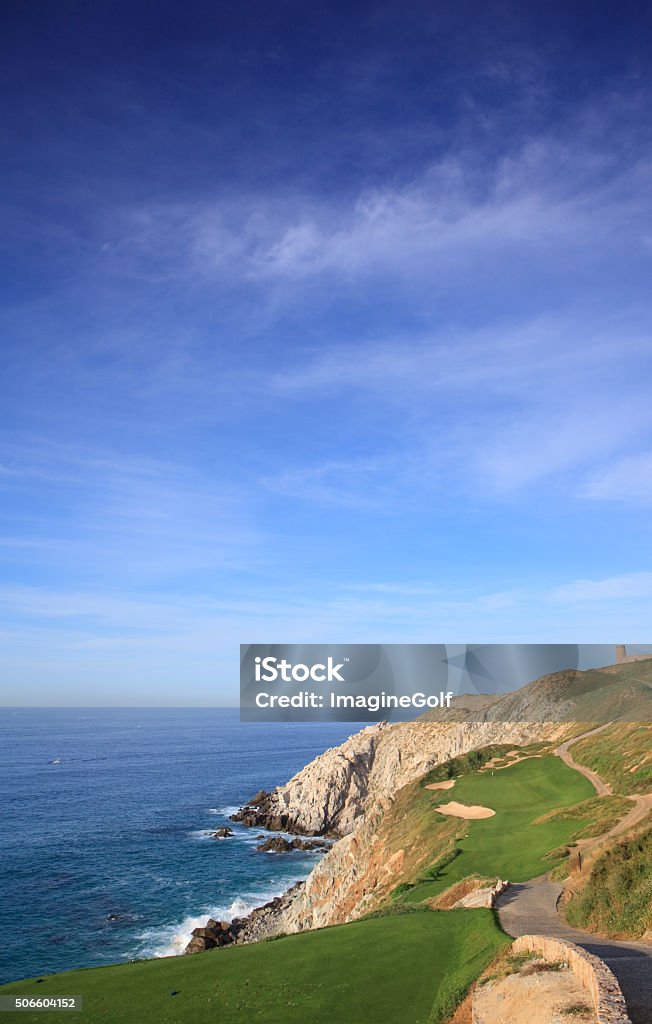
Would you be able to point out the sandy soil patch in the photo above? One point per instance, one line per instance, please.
(494, 766)
(534, 999)
(448, 784)
(469, 811)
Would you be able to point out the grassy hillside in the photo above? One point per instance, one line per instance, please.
(414, 968)
(621, 755)
(514, 843)
(594, 695)
(617, 898)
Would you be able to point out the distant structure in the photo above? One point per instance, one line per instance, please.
(623, 658)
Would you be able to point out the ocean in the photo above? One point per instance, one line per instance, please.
(105, 814)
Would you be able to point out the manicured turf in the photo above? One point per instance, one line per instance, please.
(411, 968)
(510, 845)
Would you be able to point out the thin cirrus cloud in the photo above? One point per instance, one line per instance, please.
(627, 587)
(409, 343)
(553, 390)
(628, 479)
(551, 200)
(106, 514)
(545, 398)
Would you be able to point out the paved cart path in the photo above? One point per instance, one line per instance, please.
(530, 908)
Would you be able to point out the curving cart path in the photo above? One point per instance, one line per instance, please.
(531, 908)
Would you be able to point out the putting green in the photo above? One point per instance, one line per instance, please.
(509, 844)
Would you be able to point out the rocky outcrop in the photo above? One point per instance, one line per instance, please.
(211, 936)
(346, 791)
(331, 795)
(279, 844)
(326, 797)
(222, 833)
(261, 923)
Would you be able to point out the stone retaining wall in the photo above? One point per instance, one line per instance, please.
(593, 974)
(499, 888)
(481, 897)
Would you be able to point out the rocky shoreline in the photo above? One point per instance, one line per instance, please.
(257, 925)
(260, 923)
(342, 796)
(329, 797)
(262, 812)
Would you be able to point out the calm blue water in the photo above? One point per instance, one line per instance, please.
(118, 828)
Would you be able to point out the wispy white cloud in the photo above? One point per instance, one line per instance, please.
(628, 479)
(552, 198)
(104, 513)
(627, 587)
(348, 483)
(503, 408)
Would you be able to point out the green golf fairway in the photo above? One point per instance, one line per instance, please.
(413, 967)
(509, 845)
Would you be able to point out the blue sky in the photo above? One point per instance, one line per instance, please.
(320, 323)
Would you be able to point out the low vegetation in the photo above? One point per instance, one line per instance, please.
(617, 898)
(473, 761)
(621, 755)
(525, 964)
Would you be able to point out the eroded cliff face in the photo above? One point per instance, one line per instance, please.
(328, 796)
(331, 794)
(347, 791)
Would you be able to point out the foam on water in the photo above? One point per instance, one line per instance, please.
(117, 837)
(172, 939)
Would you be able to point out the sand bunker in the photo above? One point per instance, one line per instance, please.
(448, 784)
(465, 811)
(493, 763)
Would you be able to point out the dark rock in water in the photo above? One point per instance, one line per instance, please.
(276, 844)
(222, 833)
(261, 811)
(260, 836)
(122, 917)
(256, 816)
(310, 844)
(258, 925)
(212, 936)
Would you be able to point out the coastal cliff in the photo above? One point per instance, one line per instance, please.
(359, 869)
(347, 792)
(328, 796)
